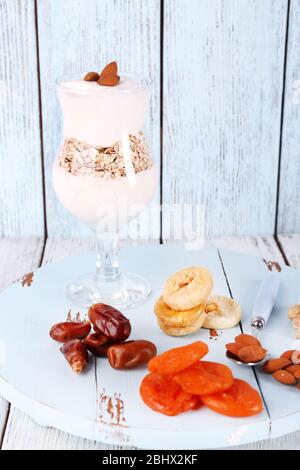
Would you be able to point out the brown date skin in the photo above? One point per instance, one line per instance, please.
(131, 354)
(76, 354)
(110, 322)
(66, 331)
(97, 343)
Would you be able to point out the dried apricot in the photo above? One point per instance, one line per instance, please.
(240, 400)
(205, 377)
(164, 395)
(178, 359)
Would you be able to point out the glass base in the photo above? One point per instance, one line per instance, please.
(127, 291)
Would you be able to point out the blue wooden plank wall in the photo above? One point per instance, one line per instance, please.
(225, 114)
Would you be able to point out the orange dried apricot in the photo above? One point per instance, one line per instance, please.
(178, 359)
(240, 400)
(163, 394)
(204, 378)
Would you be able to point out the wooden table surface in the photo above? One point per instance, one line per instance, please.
(19, 431)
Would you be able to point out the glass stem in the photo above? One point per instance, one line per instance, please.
(107, 264)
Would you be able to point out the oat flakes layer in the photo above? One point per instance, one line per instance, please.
(79, 158)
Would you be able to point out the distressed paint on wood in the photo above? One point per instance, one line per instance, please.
(223, 68)
(21, 195)
(289, 189)
(18, 256)
(79, 35)
(23, 433)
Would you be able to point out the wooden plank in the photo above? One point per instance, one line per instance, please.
(266, 248)
(223, 68)
(17, 257)
(289, 194)
(99, 31)
(22, 432)
(291, 247)
(21, 200)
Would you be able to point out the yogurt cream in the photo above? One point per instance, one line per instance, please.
(100, 115)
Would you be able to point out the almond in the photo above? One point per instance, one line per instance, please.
(247, 340)
(284, 377)
(233, 348)
(293, 368)
(288, 354)
(91, 77)
(108, 80)
(297, 374)
(275, 364)
(295, 357)
(110, 69)
(252, 353)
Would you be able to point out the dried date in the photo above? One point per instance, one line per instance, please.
(98, 343)
(76, 354)
(131, 354)
(67, 331)
(110, 322)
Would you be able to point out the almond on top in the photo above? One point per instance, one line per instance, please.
(110, 69)
(91, 77)
(108, 80)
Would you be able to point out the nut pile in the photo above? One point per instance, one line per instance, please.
(80, 158)
(286, 368)
(247, 348)
(111, 329)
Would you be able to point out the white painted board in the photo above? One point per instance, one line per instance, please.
(57, 409)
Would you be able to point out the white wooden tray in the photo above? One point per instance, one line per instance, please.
(104, 404)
